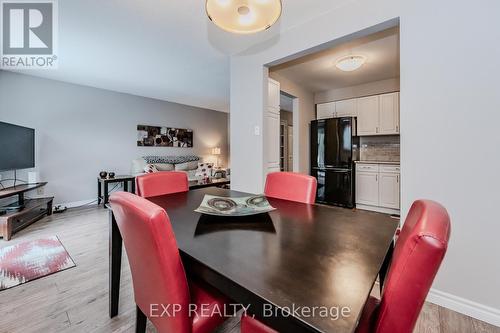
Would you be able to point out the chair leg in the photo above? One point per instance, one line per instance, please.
(141, 320)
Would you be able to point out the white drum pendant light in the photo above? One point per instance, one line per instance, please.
(243, 16)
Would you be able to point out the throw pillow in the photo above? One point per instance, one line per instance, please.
(193, 165)
(204, 170)
(164, 166)
(150, 168)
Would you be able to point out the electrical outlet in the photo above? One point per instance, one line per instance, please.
(39, 191)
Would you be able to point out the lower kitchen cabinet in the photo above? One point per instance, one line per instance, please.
(388, 190)
(378, 187)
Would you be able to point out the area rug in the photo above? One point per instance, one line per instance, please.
(31, 260)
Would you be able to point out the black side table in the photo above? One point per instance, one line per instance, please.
(103, 186)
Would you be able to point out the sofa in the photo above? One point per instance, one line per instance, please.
(189, 164)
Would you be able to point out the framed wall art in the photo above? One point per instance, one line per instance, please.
(158, 136)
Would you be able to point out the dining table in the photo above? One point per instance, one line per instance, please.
(287, 262)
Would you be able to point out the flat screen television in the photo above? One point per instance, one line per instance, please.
(17, 147)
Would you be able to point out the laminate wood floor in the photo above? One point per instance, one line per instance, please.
(76, 300)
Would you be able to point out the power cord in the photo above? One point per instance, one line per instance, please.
(61, 209)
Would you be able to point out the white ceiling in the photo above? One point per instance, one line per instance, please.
(164, 49)
(317, 72)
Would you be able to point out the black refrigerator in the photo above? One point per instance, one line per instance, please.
(334, 148)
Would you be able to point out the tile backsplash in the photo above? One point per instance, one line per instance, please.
(379, 148)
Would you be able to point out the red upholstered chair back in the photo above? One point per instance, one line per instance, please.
(419, 251)
(157, 272)
(160, 183)
(291, 186)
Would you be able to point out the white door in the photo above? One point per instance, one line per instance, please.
(347, 108)
(389, 114)
(389, 190)
(272, 128)
(367, 188)
(325, 110)
(368, 112)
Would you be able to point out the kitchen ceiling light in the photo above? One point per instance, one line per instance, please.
(350, 63)
(243, 16)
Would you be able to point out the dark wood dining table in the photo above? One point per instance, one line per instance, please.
(297, 256)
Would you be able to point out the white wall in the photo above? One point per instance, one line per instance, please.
(81, 131)
(361, 90)
(450, 104)
(303, 114)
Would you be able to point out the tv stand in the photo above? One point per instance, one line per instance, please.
(24, 212)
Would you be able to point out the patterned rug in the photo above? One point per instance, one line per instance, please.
(31, 260)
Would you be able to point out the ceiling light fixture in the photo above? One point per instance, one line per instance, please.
(243, 16)
(350, 63)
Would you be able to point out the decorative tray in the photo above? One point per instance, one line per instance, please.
(237, 206)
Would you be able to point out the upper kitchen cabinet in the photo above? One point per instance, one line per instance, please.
(325, 110)
(389, 114)
(368, 115)
(346, 108)
(273, 97)
(378, 115)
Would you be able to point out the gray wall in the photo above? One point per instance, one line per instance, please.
(81, 130)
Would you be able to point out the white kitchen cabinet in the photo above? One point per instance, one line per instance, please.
(273, 98)
(388, 190)
(389, 114)
(376, 115)
(272, 128)
(367, 188)
(325, 110)
(378, 187)
(346, 108)
(368, 115)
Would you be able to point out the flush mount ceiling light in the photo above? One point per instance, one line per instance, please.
(243, 16)
(350, 63)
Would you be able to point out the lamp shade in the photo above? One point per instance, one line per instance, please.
(243, 16)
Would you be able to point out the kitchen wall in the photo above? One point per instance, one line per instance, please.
(384, 148)
(366, 89)
(449, 109)
(81, 130)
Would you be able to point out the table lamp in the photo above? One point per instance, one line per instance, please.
(216, 152)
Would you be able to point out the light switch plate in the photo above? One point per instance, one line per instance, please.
(257, 130)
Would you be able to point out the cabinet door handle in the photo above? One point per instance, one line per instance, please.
(376, 178)
(376, 130)
(397, 178)
(397, 128)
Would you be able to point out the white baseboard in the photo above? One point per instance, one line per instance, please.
(465, 306)
(77, 203)
(378, 209)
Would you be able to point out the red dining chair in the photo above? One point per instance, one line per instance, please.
(419, 251)
(291, 186)
(160, 183)
(158, 275)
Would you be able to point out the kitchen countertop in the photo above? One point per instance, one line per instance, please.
(378, 162)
